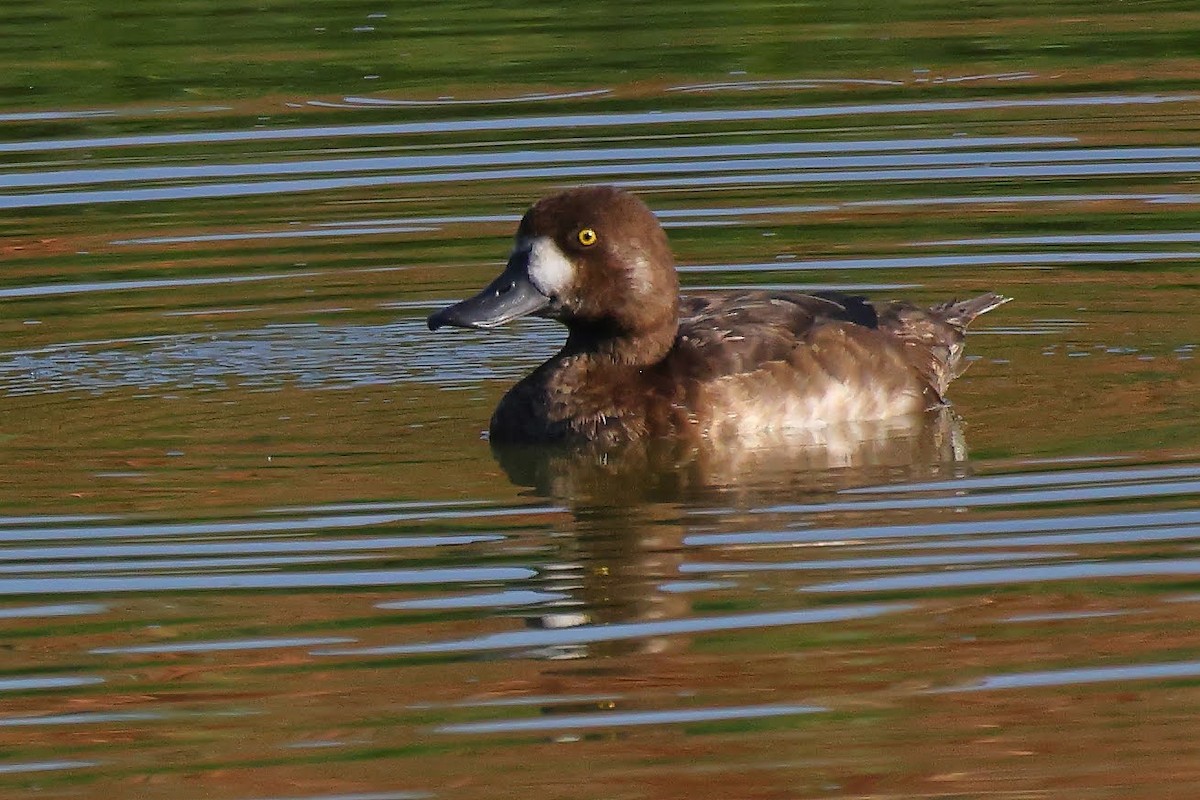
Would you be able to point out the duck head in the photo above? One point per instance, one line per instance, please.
(593, 258)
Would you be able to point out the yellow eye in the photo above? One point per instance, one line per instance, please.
(587, 237)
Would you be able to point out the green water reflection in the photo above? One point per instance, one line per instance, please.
(74, 53)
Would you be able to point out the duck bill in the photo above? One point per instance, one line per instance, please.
(510, 296)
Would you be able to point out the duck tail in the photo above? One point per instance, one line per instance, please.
(934, 337)
(960, 313)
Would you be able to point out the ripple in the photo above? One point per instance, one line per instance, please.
(106, 113)
(1131, 526)
(1071, 677)
(525, 700)
(44, 766)
(747, 172)
(1015, 575)
(1124, 474)
(538, 97)
(687, 586)
(1006, 199)
(54, 289)
(1075, 494)
(59, 610)
(589, 634)
(82, 718)
(1066, 616)
(617, 120)
(1172, 237)
(145, 566)
(932, 174)
(1033, 328)
(236, 547)
(610, 719)
(250, 581)
(1059, 539)
(522, 597)
(281, 234)
(334, 521)
(760, 151)
(56, 682)
(864, 563)
(226, 645)
(784, 83)
(964, 260)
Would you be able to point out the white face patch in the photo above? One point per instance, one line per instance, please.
(549, 269)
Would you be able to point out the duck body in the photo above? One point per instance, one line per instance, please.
(641, 362)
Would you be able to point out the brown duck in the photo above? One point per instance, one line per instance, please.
(641, 361)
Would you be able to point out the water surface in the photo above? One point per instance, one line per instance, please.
(252, 544)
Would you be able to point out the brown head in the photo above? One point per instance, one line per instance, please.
(594, 258)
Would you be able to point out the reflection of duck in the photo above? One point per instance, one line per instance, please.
(640, 362)
(631, 507)
(701, 470)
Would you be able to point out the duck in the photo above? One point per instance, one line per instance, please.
(643, 362)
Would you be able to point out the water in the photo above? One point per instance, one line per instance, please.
(252, 544)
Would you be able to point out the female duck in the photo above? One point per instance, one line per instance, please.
(640, 361)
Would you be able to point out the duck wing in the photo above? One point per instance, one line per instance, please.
(722, 334)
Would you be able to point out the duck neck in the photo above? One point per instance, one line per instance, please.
(607, 344)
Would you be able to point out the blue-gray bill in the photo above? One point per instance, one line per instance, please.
(510, 296)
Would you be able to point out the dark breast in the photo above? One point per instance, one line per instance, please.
(574, 399)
